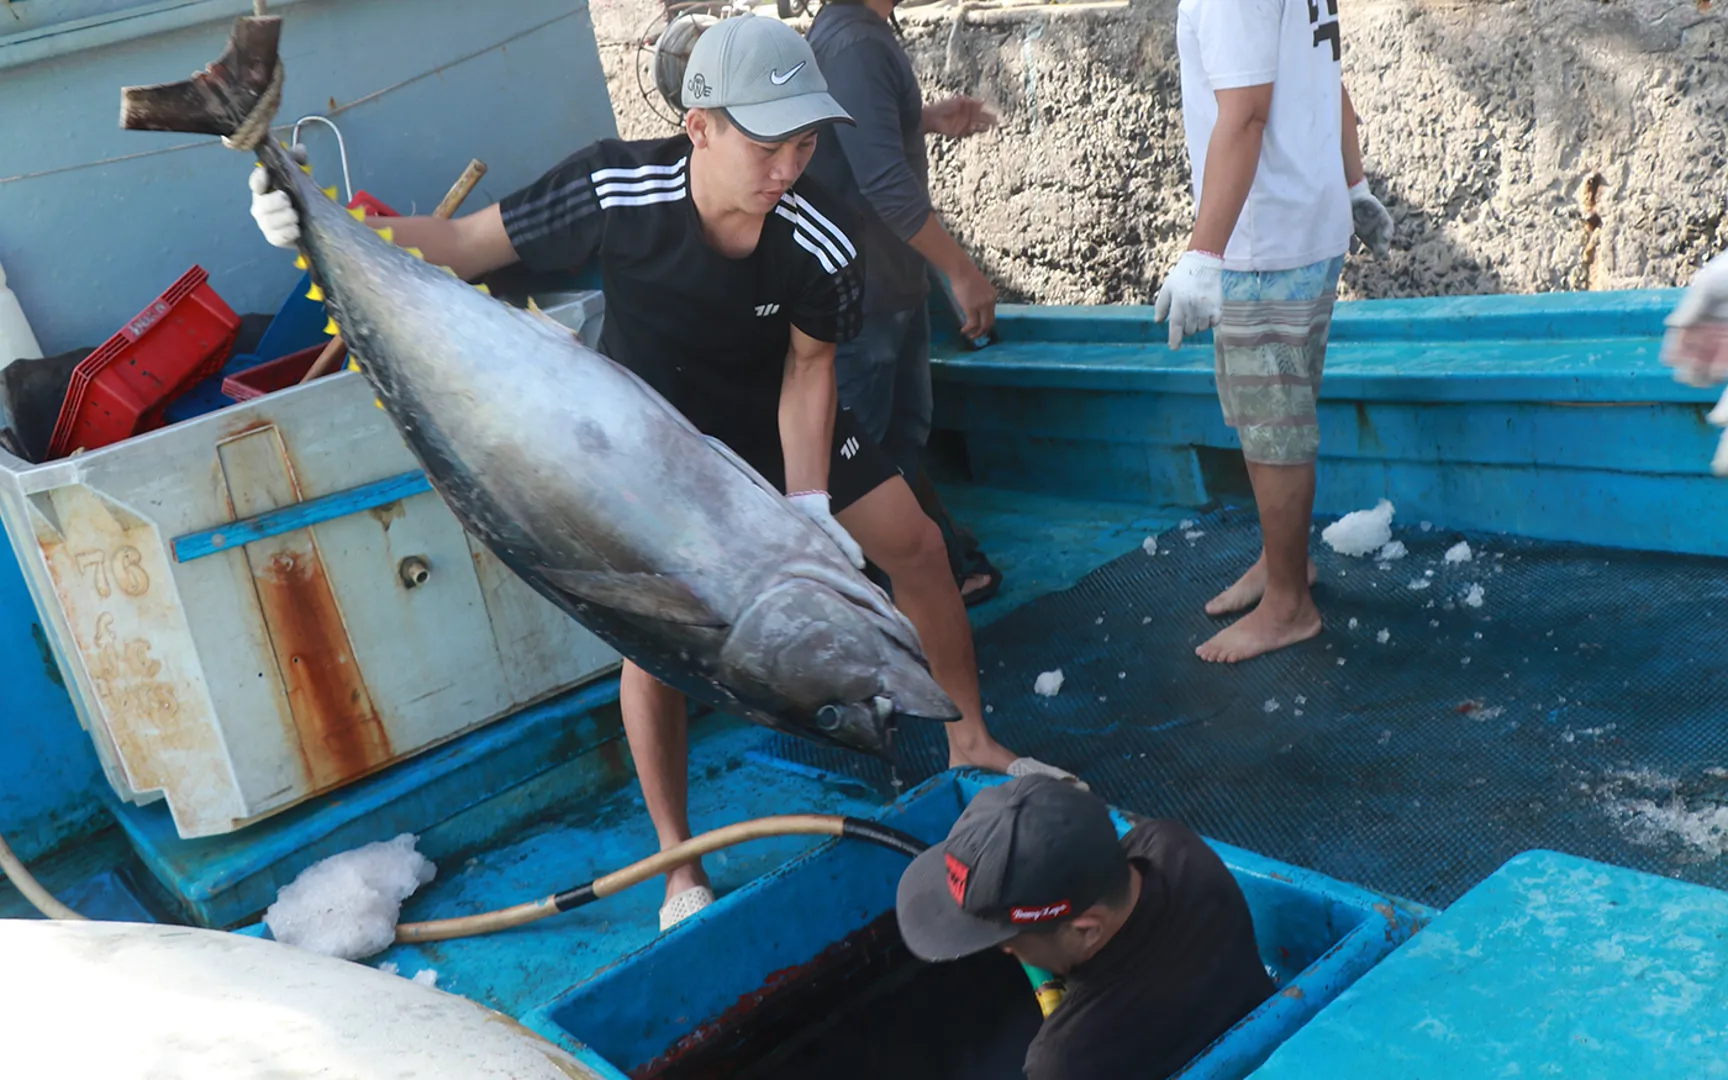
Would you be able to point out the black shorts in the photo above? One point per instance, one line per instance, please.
(856, 465)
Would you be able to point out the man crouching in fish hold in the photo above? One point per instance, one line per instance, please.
(728, 283)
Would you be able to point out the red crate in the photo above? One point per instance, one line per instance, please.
(373, 205)
(272, 375)
(120, 390)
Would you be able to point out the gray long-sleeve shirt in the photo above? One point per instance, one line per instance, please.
(879, 166)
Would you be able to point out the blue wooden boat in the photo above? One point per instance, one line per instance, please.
(1536, 779)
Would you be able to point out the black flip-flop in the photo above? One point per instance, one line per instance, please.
(977, 564)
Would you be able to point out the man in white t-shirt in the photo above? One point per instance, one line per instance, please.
(1279, 189)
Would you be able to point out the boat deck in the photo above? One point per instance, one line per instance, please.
(1570, 711)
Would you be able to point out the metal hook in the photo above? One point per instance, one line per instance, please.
(294, 140)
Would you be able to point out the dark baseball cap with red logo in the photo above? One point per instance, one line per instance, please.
(1028, 853)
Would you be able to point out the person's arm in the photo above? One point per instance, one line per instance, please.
(1371, 220)
(972, 290)
(1232, 159)
(958, 117)
(809, 397)
(864, 79)
(553, 224)
(1352, 143)
(472, 246)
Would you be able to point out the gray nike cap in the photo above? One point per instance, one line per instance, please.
(763, 74)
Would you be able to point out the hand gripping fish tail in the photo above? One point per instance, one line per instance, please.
(542, 448)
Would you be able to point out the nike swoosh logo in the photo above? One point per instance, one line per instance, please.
(781, 80)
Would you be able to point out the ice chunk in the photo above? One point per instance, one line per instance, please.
(1144, 619)
(347, 905)
(1192, 535)
(1418, 584)
(1187, 523)
(1383, 636)
(1048, 684)
(1271, 705)
(1354, 624)
(1473, 597)
(1149, 545)
(1300, 700)
(1361, 531)
(1458, 553)
(1393, 551)
(1427, 526)
(427, 977)
(389, 968)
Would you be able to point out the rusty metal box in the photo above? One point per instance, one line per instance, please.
(269, 601)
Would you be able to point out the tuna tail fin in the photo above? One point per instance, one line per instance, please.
(237, 94)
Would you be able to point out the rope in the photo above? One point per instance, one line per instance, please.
(256, 127)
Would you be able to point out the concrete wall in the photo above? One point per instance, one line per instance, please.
(95, 221)
(1522, 146)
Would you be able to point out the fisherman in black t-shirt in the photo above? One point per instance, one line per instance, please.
(1151, 932)
(728, 282)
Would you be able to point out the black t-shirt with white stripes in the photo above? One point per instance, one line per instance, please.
(709, 332)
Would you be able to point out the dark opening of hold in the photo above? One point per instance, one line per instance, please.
(1224, 474)
(878, 1012)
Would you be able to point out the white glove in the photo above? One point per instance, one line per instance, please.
(273, 212)
(814, 505)
(1707, 299)
(1696, 345)
(1373, 223)
(1192, 296)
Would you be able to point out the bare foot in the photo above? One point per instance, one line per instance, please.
(984, 754)
(1249, 588)
(1262, 630)
(973, 584)
(685, 877)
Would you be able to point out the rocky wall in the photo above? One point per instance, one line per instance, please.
(1521, 146)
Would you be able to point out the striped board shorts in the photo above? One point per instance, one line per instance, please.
(1270, 349)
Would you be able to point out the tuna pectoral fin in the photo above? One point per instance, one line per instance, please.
(653, 596)
(217, 100)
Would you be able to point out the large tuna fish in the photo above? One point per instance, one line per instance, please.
(580, 477)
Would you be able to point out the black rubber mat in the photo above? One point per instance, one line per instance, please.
(1582, 707)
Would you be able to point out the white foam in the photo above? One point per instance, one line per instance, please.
(347, 905)
(1458, 553)
(1473, 597)
(1049, 684)
(1393, 551)
(1361, 531)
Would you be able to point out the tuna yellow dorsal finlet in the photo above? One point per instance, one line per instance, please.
(416, 252)
(315, 293)
(484, 289)
(331, 328)
(300, 262)
(358, 213)
(306, 168)
(329, 192)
